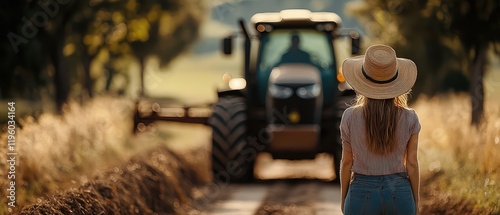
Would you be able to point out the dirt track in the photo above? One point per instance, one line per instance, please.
(290, 187)
(280, 197)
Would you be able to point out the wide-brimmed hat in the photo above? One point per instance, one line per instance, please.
(379, 74)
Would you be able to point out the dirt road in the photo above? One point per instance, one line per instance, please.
(283, 186)
(283, 197)
(286, 187)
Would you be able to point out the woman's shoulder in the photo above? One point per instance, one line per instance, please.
(413, 121)
(350, 111)
(411, 114)
(410, 111)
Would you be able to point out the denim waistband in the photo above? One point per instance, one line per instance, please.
(389, 177)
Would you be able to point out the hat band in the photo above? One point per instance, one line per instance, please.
(377, 81)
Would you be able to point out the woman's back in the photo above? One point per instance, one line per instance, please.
(354, 138)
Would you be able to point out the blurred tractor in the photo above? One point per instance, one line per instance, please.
(291, 100)
(294, 96)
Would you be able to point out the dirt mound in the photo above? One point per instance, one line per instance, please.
(158, 182)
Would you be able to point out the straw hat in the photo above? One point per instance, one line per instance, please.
(379, 74)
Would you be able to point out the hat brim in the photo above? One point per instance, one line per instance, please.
(407, 75)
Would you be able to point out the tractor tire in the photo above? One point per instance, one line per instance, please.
(341, 105)
(232, 158)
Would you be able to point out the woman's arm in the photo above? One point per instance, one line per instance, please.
(412, 167)
(345, 174)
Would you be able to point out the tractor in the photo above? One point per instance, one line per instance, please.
(292, 100)
(294, 97)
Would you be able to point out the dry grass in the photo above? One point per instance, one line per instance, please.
(462, 161)
(158, 181)
(55, 152)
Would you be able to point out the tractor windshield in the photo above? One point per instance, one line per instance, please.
(284, 46)
(292, 46)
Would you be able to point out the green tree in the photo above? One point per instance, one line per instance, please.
(440, 36)
(174, 23)
(39, 30)
(19, 67)
(138, 28)
(44, 35)
(476, 24)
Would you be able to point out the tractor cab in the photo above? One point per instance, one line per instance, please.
(288, 37)
(296, 37)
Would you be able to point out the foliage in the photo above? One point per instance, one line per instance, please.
(16, 80)
(76, 33)
(437, 35)
(477, 26)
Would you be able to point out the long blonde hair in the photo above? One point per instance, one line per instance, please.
(381, 120)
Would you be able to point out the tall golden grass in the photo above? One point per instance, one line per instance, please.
(55, 151)
(467, 157)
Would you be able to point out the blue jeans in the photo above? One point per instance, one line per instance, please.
(381, 194)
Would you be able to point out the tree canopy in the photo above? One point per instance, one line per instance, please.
(56, 41)
(448, 40)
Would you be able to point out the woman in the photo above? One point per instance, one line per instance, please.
(379, 169)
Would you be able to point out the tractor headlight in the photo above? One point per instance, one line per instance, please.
(280, 92)
(309, 92)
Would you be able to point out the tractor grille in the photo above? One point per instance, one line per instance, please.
(295, 110)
